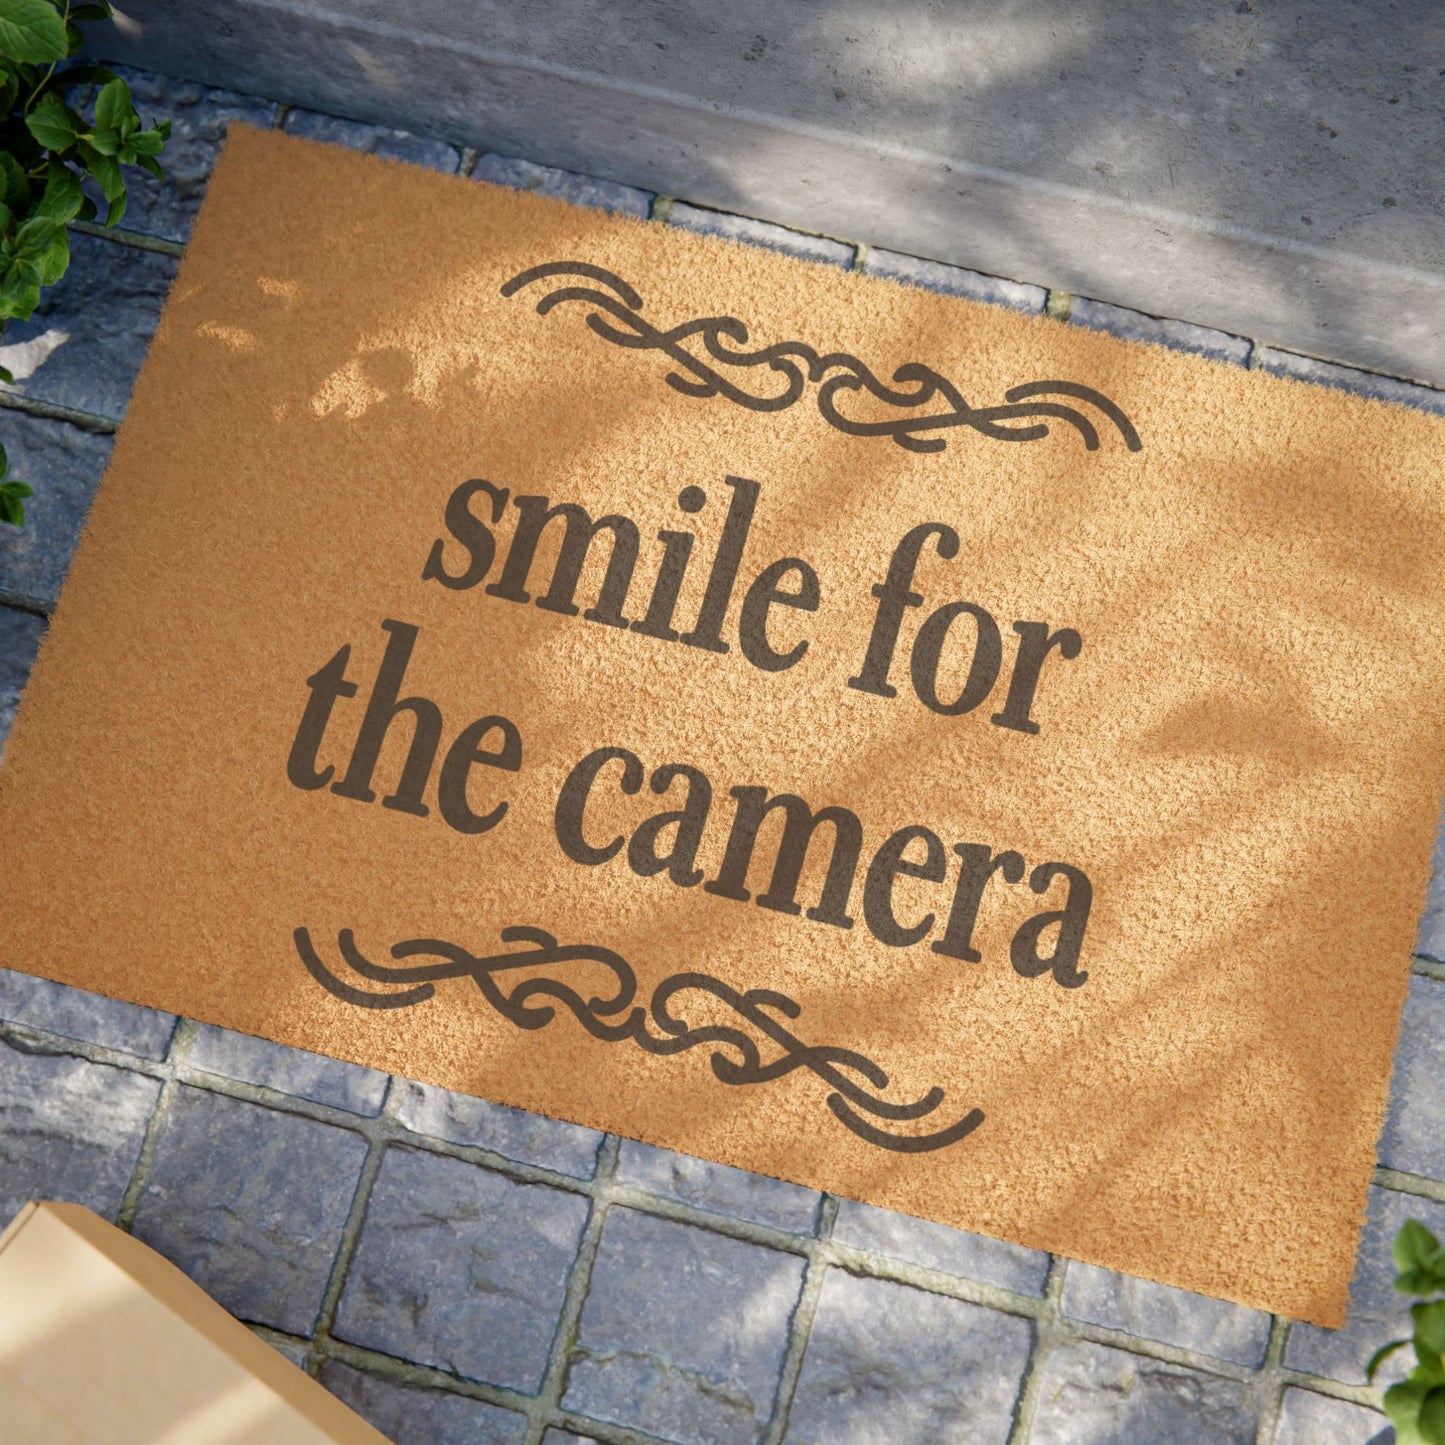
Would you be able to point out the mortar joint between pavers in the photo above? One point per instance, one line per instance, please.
(1423, 966)
(548, 1403)
(630, 1196)
(124, 236)
(29, 1039)
(1366, 1395)
(1058, 304)
(861, 251)
(800, 1325)
(18, 602)
(1269, 1384)
(408, 1372)
(1046, 1323)
(350, 1234)
(868, 1265)
(1416, 1184)
(180, 1044)
(48, 411)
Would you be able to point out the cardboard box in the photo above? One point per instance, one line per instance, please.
(103, 1342)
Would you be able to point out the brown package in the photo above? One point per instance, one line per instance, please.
(104, 1342)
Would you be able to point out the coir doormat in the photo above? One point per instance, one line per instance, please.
(945, 757)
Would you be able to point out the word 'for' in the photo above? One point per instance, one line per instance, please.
(788, 582)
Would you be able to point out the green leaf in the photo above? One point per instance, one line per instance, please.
(107, 142)
(1432, 1417)
(35, 237)
(73, 39)
(7, 378)
(17, 489)
(31, 30)
(56, 258)
(1430, 1326)
(63, 196)
(9, 89)
(1414, 1246)
(14, 187)
(20, 290)
(52, 122)
(1420, 1258)
(148, 142)
(87, 210)
(1380, 1356)
(112, 105)
(91, 12)
(116, 210)
(151, 164)
(11, 510)
(4, 460)
(106, 172)
(7, 222)
(1402, 1405)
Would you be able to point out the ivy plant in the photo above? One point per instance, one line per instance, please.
(46, 151)
(1416, 1406)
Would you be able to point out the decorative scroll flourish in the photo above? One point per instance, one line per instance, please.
(616, 1016)
(794, 364)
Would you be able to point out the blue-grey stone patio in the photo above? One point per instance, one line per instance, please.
(463, 1272)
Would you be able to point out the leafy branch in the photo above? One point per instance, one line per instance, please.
(47, 150)
(1416, 1406)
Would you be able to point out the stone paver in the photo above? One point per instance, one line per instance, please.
(85, 343)
(199, 117)
(290, 1071)
(1306, 1418)
(64, 465)
(954, 281)
(761, 233)
(1178, 335)
(889, 1363)
(717, 1187)
(1346, 378)
(936, 1246)
(69, 1129)
(1171, 1316)
(376, 140)
(89, 1017)
(413, 1415)
(461, 1268)
(1093, 1395)
(521, 175)
(20, 634)
(684, 1331)
(250, 1203)
(513, 1133)
(1378, 1313)
(1414, 1134)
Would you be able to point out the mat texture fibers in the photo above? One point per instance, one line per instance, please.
(946, 757)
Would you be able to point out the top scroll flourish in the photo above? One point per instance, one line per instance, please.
(797, 364)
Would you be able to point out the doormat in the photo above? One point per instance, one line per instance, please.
(963, 762)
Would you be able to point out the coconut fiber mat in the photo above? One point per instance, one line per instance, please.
(941, 756)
